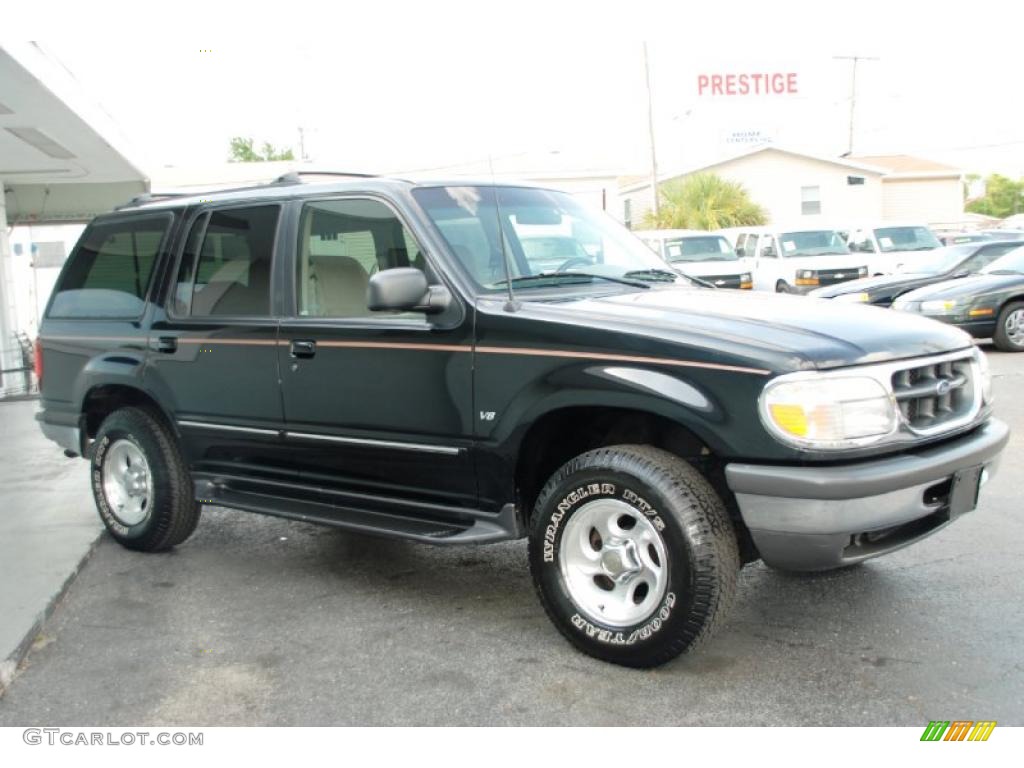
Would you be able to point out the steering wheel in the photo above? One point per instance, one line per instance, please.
(575, 261)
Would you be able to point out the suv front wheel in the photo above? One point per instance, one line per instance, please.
(633, 555)
(140, 483)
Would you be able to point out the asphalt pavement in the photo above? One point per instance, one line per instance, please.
(259, 621)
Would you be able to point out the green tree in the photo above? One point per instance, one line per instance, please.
(242, 152)
(1003, 197)
(704, 201)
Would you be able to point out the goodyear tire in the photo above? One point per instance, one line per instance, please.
(633, 555)
(783, 287)
(142, 488)
(1009, 335)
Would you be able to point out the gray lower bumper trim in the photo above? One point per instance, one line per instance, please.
(873, 477)
(66, 437)
(815, 518)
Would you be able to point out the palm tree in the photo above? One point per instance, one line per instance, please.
(704, 201)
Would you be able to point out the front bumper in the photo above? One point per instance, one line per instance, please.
(815, 518)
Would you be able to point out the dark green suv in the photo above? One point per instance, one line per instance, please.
(384, 356)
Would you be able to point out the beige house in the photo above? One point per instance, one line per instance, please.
(914, 189)
(796, 187)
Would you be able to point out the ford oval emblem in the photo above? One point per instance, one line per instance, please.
(719, 282)
(840, 276)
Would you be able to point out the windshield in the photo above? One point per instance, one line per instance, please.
(542, 233)
(906, 239)
(1010, 262)
(699, 248)
(821, 242)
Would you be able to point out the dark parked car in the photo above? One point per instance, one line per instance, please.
(986, 305)
(381, 356)
(946, 263)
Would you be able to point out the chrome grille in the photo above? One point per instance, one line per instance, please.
(938, 396)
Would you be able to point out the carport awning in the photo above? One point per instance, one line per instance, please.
(59, 159)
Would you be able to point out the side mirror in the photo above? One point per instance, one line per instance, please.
(741, 251)
(405, 289)
(769, 252)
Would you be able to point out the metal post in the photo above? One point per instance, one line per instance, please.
(9, 358)
(650, 128)
(853, 93)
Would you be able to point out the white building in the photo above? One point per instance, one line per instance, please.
(796, 186)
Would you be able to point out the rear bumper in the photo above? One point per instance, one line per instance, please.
(67, 437)
(816, 518)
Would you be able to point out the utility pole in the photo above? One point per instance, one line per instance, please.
(853, 91)
(650, 128)
(302, 144)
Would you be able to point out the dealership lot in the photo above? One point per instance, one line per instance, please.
(260, 621)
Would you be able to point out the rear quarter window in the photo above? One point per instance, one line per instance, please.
(109, 272)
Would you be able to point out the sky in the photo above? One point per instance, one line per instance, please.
(408, 87)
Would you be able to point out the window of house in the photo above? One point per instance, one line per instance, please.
(109, 271)
(225, 269)
(810, 200)
(342, 243)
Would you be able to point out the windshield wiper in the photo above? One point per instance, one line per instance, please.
(1004, 272)
(574, 275)
(661, 275)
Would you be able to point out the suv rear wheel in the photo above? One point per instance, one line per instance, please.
(140, 483)
(633, 555)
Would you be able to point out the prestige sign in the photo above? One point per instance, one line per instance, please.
(748, 84)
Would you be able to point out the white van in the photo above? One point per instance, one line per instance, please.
(885, 246)
(707, 255)
(798, 259)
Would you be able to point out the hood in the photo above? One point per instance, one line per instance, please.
(877, 287)
(974, 285)
(776, 331)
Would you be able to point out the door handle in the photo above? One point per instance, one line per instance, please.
(167, 344)
(303, 348)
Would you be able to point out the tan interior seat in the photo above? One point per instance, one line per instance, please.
(341, 284)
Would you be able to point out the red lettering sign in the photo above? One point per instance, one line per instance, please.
(747, 84)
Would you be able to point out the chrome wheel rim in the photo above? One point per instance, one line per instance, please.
(613, 563)
(127, 484)
(1014, 326)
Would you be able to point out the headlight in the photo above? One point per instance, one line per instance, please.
(861, 297)
(940, 306)
(806, 277)
(862, 271)
(986, 377)
(828, 413)
(746, 281)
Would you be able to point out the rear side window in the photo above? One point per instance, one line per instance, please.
(108, 272)
(225, 270)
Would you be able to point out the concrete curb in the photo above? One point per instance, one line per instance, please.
(9, 666)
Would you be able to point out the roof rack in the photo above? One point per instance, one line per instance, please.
(292, 177)
(295, 177)
(149, 197)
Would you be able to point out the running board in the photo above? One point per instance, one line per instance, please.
(476, 528)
